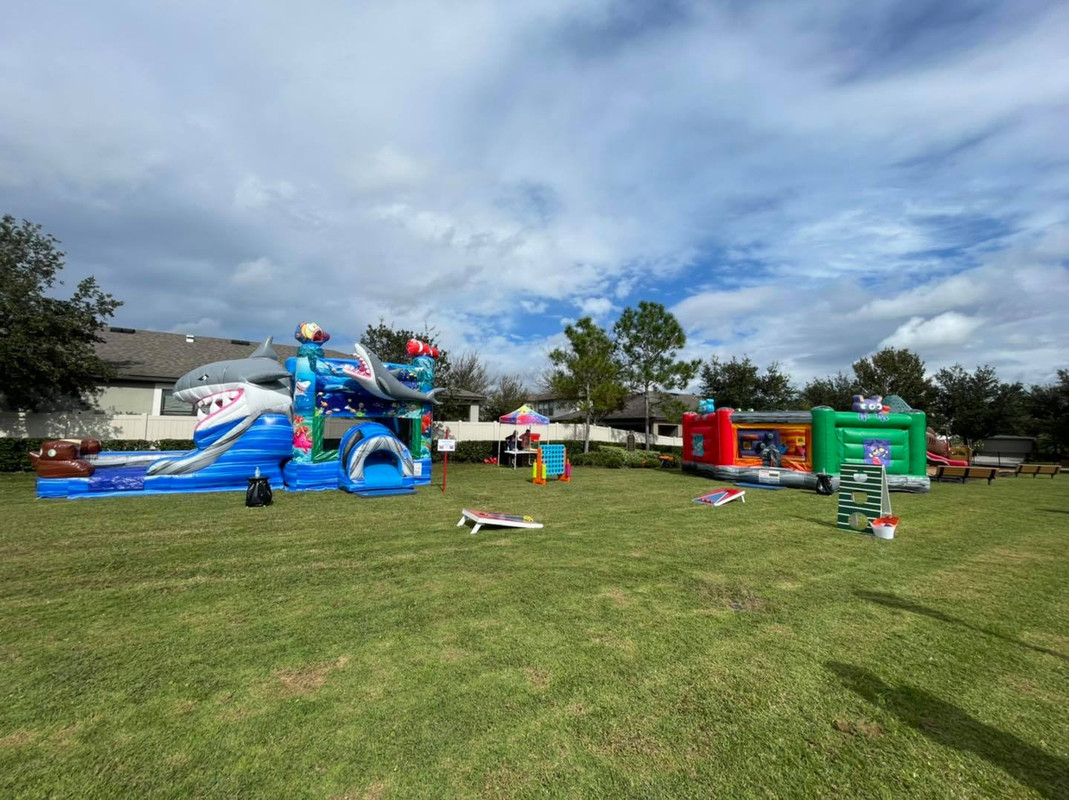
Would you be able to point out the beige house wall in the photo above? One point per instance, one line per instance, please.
(124, 397)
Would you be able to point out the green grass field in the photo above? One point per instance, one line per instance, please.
(640, 645)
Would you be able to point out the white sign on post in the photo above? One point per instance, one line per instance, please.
(447, 445)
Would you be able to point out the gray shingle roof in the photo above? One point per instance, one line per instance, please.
(152, 355)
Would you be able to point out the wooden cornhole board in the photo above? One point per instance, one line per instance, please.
(481, 518)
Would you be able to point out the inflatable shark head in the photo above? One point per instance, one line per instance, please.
(228, 392)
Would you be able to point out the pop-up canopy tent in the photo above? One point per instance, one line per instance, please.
(524, 416)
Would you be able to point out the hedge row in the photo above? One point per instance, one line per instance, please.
(618, 457)
(13, 452)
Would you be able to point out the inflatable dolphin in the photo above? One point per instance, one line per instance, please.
(375, 379)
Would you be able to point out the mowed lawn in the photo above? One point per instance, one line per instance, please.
(640, 645)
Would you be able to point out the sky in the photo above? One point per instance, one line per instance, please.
(800, 182)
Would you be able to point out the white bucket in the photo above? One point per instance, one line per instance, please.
(884, 531)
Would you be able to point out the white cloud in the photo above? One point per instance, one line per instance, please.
(257, 272)
(919, 333)
(596, 307)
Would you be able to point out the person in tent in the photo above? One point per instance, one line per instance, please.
(525, 440)
(511, 442)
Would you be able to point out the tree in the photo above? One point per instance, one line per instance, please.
(588, 372)
(895, 371)
(468, 373)
(47, 353)
(390, 344)
(509, 394)
(732, 384)
(977, 405)
(835, 392)
(649, 339)
(738, 384)
(1048, 407)
(776, 390)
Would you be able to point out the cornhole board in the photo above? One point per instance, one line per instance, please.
(481, 518)
(863, 496)
(719, 497)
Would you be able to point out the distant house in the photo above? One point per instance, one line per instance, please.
(549, 405)
(630, 418)
(1005, 450)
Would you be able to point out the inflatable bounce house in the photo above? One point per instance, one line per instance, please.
(256, 416)
(798, 448)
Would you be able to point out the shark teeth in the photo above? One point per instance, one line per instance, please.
(207, 406)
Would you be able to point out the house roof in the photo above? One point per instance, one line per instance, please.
(634, 408)
(462, 394)
(153, 355)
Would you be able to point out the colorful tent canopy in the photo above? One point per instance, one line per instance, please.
(524, 415)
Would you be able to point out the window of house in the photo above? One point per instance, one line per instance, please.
(175, 408)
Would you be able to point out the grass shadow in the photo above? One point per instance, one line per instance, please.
(946, 724)
(894, 601)
(1055, 510)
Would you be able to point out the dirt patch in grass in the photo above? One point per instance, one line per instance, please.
(310, 678)
(234, 714)
(732, 597)
(617, 596)
(858, 727)
(451, 655)
(373, 791)
(183, 707)
(613, 641)
(538, 678)
(18, 738)
(576, 709)
(626, 743)
(501, 782)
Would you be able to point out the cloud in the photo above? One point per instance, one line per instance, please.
(254, 273)
(946, 329)
(595, 307)
(797, 181)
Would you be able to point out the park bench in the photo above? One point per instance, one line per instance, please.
(1038, 469)
(964, 473)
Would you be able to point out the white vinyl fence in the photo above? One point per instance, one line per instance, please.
(554, 432)
(152, 427)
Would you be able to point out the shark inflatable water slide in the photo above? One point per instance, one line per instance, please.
(257, 416)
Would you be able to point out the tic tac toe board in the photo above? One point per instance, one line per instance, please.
(481, 518)
(863, 496)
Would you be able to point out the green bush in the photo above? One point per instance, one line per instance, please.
(586, 459)
(617, 457)
(13, 454)
(175, 444)
(612, 458)
(467, 452)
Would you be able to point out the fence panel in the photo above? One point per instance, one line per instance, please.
(148, 426)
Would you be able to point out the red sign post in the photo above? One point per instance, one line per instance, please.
(445, 447)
